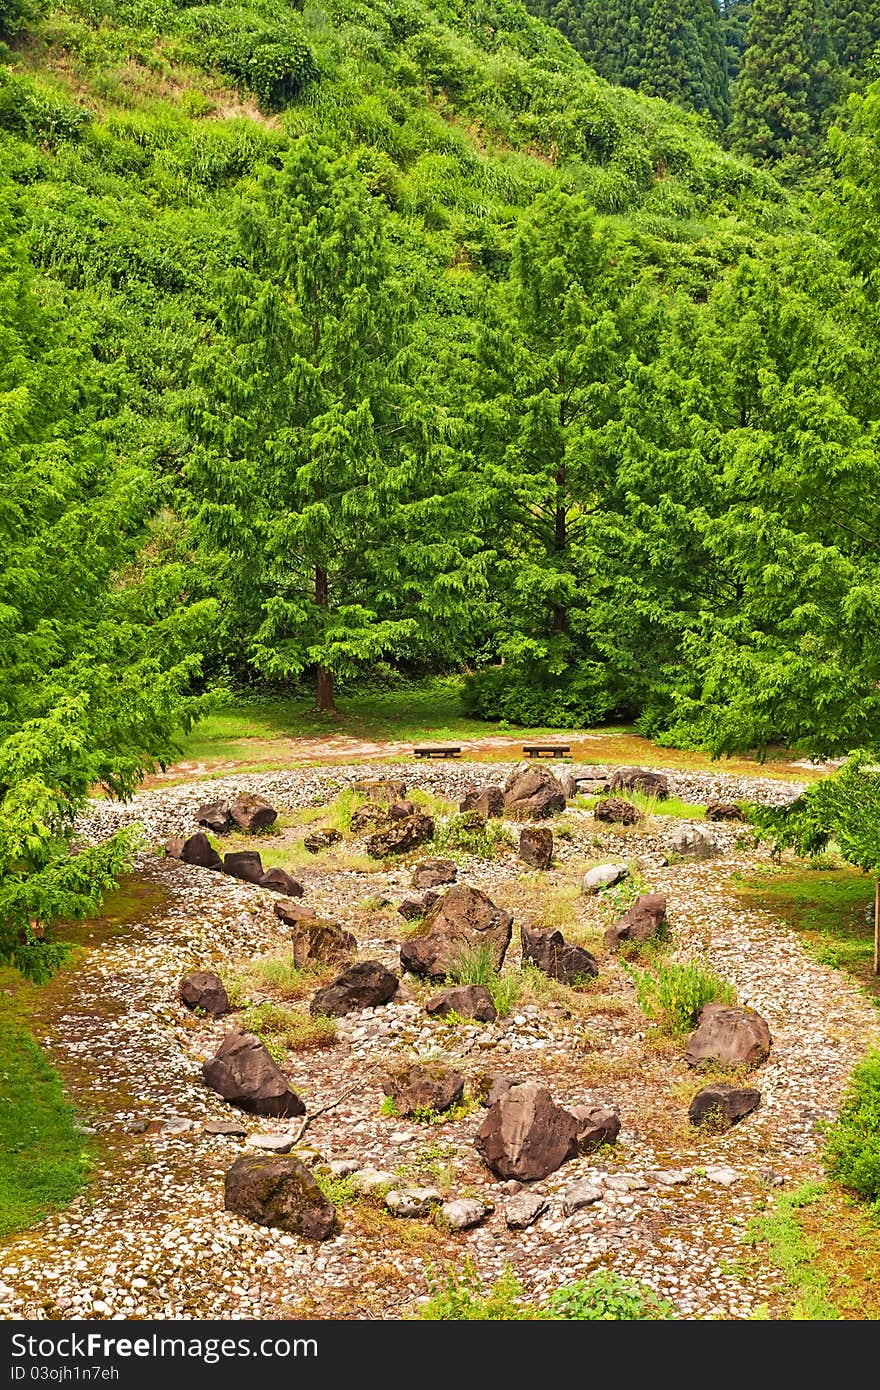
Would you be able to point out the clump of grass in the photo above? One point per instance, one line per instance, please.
(430, 805)
(458, 1296)
(477, 967)
(671, 995)
(339, 1191)
(559, 907)
(852, 1144)
(653, 807)
(288, 1030)
(277, 975)
(462, 833)
(605, 1296)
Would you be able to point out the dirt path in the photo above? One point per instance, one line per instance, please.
(150, 1237)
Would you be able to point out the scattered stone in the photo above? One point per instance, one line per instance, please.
(271, 1143)
(464, 1213)
(227, 1129)
(175, 1124)
(615, 811)
(526, 1135)
(413, 908)
(291, 913)
(279, 1190)
(245, 864)
(343, 1167)
(202, 989)
(251, 812)
(380, 789)
(640, 779)
(431, 873)
(280, 881)
(370, 1182)
(532, 793)
(720, 1105)
(603, 876)
(644, 919)
(174, 847)
(465, 919)
(536, 846)
(523, 1211)
(491, 1086)
(368, 817)
(401, 836)
(647, 863)
(244, 1074)
(724, 810)
(319, 941)
(419, 1086)
(556, 957)
(671, 1177)
(692, 842)
(214, 815)
(468, 1001)
(720, 1173)
(729, 1037)
(322, 839)
(363, 985)
(413, 1201)
(625, 1182)
(579, 1195)
(597, 1125)
(197, 849)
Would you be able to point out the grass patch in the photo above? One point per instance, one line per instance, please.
(466, 833)
(826, 906)
(277, 975)
(459, 1296)
(286, 1030)
(651, 807)
(476, 967)
(852, 1144)
(787, 1245)
(671, 995)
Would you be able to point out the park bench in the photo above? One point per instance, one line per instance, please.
(438, 751)
(552, 750)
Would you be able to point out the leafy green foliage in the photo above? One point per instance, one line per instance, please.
(607, 1296)
(672, 993)
(604, 1296)
(844, 808)
(852, 1144)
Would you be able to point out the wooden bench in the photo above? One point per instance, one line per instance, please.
(437, 751)
(553, 750)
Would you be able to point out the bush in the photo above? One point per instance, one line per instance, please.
(38, 113)
(15, 15)
(271, 59)
(587, 694)
(852, 1147)
(672, 995)
(607, 1296)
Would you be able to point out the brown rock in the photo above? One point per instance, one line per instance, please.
(251, 812)
(381, 789)
(321, 839)
(280, 881)
(244, 1074)
(199, 850)
(722, 1105)
(597, 1124)
(423, 1086)
(536, 846)
(431, 873)
(640, 779)
(526, 1135)
(398, 810)
(489, 802)
(317, 940)
(724, 810)
(368, 817)
(532, 793)
(729, 1037)
(646, 917)
(290, 912)
(174, 847)
(615, 811)
(468, 1001)
(463, 920)
(214, 815)
(556, 957)
(202, 989)
(491, 1086)
(363, 985)
(245, 864)
(412, 908)
(278, 1190)
(401, 836)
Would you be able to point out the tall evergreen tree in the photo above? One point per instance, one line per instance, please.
(789, 81)
(319, 474)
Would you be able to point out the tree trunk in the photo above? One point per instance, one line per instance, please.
(324, 680)
(560, 540)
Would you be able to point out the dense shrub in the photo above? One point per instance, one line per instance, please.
(268, 56)
(852, 1148)
(587, 694)
(38, 113)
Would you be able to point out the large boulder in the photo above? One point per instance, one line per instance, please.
(380, 789)
(603, 876)
(645, 918)
(290, 912)
(555, 956)
(215, 816)
(639, 779)
(597, 1124)
(279, 1190)
(464, 920)
(400, 836)
(244, 1074)
(728, 1036)
(526, 1135)
(318, 941)
(398, 810)
(415, 1086)
(280, 881)
(363, 985)
(431, 873)
(245, 864)
(613, 810)
(532, 793)
(488, 802)
(468, 1001)
(721, 1106)
(202, 989)
(251, 812)
(692, 842)
(536, 846)
(197, 849)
